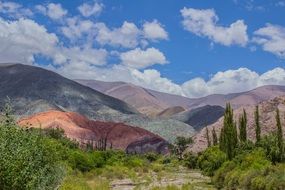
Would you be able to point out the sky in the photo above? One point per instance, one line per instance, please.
(192, 48)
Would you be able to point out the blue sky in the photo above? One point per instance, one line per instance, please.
(186, 47)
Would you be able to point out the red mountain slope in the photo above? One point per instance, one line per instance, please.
(83, 130)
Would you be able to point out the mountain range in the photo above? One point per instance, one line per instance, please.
(153, 102)
(33, 90)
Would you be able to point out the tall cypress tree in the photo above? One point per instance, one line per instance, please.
(257, 124)
(279, 135)
(208, 137)
(214, 136)
(228, 137)
(242, 127)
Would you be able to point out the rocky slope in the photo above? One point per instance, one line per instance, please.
(83, 130)
(267, 120)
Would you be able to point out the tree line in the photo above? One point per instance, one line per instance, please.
(229, 139)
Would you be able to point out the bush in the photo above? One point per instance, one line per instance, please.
(211, 160)
(28, 160)
(250, 171)
(191, 160)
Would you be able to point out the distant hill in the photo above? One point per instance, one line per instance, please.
(267, 111)
(146, 101)
(200, 117)
(116, 135)
(152, 102)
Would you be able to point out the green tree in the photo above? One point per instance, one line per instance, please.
(257, 124)
(208, 137)
(215, 138)
(229, 134)
(279, 136)
(181, 143)
(243, 127)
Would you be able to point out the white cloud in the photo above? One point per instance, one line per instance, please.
(129, 35)
(125, 36)
(232, 81)
(139, 58)
(81, 56)
(203, 22)
(14, 10)
(18, 43)
(88, 10)
(75, 28)
(42, 9)
(52, 10)
(154, 31)
(21, 40)
(272, 39)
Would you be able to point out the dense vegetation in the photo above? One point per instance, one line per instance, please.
(238, 163)
(40, 159)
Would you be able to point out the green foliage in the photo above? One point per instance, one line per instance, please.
(208, 137)
(28, 160)
(228, 139)
(280, 141)
(214, 136)
(180, 145)
(270, 145)
(191, 160)
(250, 171)
(210, 160)
(243, 127)
(257, 125)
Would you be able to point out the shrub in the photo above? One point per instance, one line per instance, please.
(210, 160)
(191, 160)
(28, 160)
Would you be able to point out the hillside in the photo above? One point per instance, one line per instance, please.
(32, 89)
(200, 117)
(146, 101)
(267, 111)
(79, 128)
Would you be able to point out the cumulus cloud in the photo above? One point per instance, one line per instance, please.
(125, 36)
(14, 10)
(154, 31)
(232, 81)
(52, 10)
(203, 22)
(129, 35)
(140, 59)
(272, 39)
(75, 28)
(87, 9)
(18, 42)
